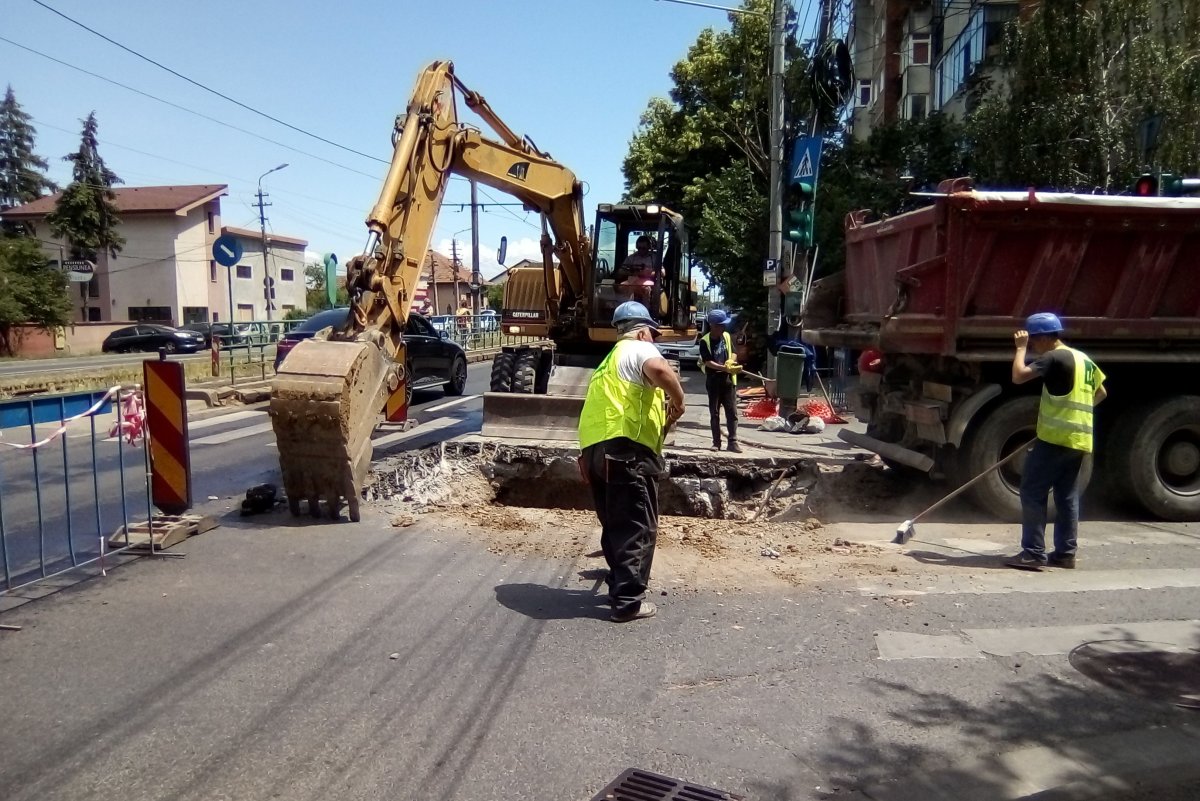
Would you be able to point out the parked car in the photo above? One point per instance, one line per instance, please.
(209, 330)
(151, 337)
(687, 353)
(489, 320)
(433, 360)
(443, 322)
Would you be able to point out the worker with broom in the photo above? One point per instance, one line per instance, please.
(1072, 385)
(719, 365)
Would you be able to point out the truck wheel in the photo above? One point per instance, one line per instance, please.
(1005, 428)
(502, 372)
(525, 370)
(1159, 465)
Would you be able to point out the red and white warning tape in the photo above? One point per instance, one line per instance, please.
(58, 432)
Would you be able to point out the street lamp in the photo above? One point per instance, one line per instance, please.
(268, 281)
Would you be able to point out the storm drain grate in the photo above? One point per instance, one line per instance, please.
(642, 785)
(1158, 671)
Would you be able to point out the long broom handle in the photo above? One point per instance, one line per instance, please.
(974, 481)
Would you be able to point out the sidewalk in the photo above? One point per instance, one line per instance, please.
(692, 433)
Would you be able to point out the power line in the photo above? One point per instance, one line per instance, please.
(208, 89)
(188, 110)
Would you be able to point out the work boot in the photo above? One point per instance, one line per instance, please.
(1025, 561)
(734, 447)
(1065, 561)
(716, 445)
(643, 610)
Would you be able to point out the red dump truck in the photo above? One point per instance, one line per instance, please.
(939, 292)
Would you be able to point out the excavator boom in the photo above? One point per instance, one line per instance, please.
(329, 391)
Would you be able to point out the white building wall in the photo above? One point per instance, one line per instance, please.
(249, 297)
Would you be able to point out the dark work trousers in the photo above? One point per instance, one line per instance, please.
(720, 395)
(1050, 468)
(623, 475)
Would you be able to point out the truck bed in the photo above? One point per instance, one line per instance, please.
(958, 277)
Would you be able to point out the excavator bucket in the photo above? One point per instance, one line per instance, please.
(325, 403)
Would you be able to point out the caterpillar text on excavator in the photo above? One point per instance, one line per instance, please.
(329, 392)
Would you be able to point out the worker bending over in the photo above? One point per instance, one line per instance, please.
(719, 365)
(621, 432)
(1072, 385)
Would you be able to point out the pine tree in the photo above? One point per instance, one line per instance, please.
(22, 172)
(85, 215)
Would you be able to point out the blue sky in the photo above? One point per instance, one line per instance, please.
(573, 75)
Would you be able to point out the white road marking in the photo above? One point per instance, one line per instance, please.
(1049, 580)
(423, 428)
(230, 436)
(448, 404)
(1034, 640)
(233, 417)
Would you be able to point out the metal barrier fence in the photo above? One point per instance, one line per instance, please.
(840, 379)
(477, 331)
(61, 505)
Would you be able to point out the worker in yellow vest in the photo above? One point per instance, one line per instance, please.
(719, 364)
(632, 398)
(1072, 385)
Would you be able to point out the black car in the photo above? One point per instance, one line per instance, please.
(151, 337)
(210, 330)
(433, 360)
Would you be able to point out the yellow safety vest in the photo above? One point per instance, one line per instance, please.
(730, 358)
(1066, 420)
(616, 408)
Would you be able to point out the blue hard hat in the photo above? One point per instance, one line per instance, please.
(1043, 323)
(718, 317)
(631, 312)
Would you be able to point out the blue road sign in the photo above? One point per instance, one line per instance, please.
(227, 250)
(806, 160)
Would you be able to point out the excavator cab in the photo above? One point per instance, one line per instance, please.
(640, 254)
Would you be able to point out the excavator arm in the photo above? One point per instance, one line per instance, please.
(328, 392)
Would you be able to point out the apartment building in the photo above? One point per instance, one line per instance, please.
(915, 57)
(282, 260)
(165, 271)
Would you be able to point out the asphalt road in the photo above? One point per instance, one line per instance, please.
(284, 658)
(230, 452)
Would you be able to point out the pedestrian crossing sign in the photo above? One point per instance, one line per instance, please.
(806, 160)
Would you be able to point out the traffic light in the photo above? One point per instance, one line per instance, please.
(800, 226)
(1146, 186)
(1165, 185)
(269, 288)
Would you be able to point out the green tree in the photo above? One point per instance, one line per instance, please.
(1080, 79)
(704, 151)
(495, 297)
(85, 215)
(30, 291)
(314, 285)
(22, 171)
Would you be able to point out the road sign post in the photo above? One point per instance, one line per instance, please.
(227, 251)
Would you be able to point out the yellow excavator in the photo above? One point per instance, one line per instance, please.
(329, 392)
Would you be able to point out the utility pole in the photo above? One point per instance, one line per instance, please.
(476, 278)
(454, 265)
(262, 229)
(775, 199)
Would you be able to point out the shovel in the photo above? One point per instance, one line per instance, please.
(906, 530)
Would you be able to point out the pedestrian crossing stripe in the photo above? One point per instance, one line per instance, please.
(805, 168)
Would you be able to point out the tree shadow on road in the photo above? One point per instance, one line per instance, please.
(1074, 729)
(552, 603)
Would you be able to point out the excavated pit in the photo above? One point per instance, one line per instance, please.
(546, 476)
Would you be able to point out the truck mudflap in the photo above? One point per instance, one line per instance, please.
(888, 450)
(325, 402)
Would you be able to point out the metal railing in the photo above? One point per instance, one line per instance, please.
(61, 505)
(477, 332)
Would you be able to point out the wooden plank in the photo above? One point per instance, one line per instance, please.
(167, 530)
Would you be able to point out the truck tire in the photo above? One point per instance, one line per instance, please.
(1155, 456)
(1005, 427)
(502, 372)
(525, 371)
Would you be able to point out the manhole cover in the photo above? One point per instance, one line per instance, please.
(1155, 670)
(642, 785)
